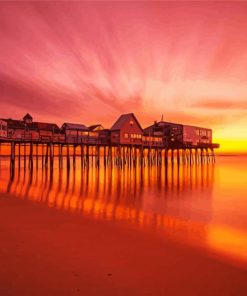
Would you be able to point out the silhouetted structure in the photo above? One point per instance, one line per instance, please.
(179, 135)
(126, 130)
(126, 143)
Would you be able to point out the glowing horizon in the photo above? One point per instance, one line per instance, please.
(86, 62)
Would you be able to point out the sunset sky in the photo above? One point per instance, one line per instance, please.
(89, 62)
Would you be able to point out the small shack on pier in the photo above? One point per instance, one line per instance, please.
(18, 130)
(95, 132)
(126, 130)
(105, 136)
(28, 130)
(75, 132)
(47, 131)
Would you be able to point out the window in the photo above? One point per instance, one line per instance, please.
(126, 136)
(93, 134)
(115, 135)
(131, 122)
(135, 136)
(202, 132)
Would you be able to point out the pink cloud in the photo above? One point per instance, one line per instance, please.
(87, 62)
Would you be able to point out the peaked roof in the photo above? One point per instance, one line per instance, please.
(27, 116)
(122, 119)
(14, 123)
(92, 127)
(167, 123)
(75, 126)
(3, 121)
(162, 124)
(19, 124)
(44, 126)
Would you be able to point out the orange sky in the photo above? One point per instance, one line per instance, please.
(89, 62)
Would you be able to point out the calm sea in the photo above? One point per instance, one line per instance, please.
(204, 205)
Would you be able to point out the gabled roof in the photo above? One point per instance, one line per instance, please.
(14, 124)
(3, 121)
(166, 124)
(19, 124)
(93, 127)
(75, 126)
(161, 124)
(44, 126)
(122, 119)
(27, 116)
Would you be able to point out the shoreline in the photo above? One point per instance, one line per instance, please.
(44, 251)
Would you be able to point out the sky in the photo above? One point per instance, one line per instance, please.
(89, 62)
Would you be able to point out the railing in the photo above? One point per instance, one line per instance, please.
(87, 140)
(153, 144)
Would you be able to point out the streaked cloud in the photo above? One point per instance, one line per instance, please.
(90, 61)
(221, 104)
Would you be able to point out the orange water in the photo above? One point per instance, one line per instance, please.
(205, 205)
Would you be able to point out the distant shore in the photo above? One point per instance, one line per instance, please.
(49, 252)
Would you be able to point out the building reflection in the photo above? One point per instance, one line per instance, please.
(167, 198)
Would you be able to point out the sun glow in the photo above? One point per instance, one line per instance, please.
(177, 59)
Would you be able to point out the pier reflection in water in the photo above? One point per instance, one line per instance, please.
(200, 204)
(175, 199)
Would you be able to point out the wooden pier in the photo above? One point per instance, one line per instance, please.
(102, 154)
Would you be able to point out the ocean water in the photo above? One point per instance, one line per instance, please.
(204, 205)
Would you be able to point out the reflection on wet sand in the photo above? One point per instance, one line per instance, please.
(159, 196)
(178, 201)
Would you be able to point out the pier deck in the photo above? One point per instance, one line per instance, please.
(120, 155)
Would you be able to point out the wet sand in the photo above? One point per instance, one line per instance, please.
(49, 252)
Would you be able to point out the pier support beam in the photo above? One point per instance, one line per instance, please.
(12, 154)
(74, 155)
(178, 157)
(68, 158)
(172, 156)
(30, 164)
(37, 155)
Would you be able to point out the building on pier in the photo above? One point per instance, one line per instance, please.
(171, 133)
(3, 129)
(48, 131)
(94, 133)
(105, 136)
(176, 135)
(126, 130)
(75, 133)
(193, 135)
(95, 128)
(18, 130)
(79, 133)
(28, 130)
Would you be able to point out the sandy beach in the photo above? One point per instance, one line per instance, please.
(49, 252)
